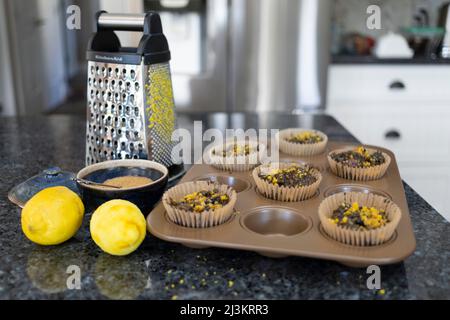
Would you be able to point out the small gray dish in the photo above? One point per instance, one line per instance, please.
(50, 177)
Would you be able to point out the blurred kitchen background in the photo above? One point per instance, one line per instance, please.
(384, 74)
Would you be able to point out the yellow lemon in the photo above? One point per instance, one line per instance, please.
(52, 216)
(118, 227)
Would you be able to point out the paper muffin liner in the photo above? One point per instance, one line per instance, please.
(358, 174)
(359, 237)
(238, 163)
(203, 219)
(282, 193)
(298, 149)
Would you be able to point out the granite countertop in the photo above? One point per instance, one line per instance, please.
(162, 270)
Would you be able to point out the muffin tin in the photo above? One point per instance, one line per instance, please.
(279, 229)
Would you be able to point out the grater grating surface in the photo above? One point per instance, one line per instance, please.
(126, 119)
(115, 126)
(159, 112)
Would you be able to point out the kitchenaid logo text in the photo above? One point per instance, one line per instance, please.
(189, 149)
(108, 58)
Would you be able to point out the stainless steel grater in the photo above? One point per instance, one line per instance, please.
(130, 98)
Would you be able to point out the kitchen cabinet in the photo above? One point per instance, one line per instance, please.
(432, 182)
(405, 108)
(388, 83)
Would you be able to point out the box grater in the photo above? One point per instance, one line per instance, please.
(129, 92)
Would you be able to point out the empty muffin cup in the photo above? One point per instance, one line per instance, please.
(280, 221)
(354, 188)
(239, 185)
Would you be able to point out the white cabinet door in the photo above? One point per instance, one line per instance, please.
(388, 83)
(414, 132)
(432, 183)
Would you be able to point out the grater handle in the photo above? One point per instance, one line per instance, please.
(148, 23)
(153, 46)
(121, 22)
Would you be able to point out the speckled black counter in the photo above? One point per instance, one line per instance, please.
(162, 270)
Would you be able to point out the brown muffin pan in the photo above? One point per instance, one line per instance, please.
(280, 229)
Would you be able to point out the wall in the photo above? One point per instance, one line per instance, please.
(2, 103)
(7, 97)
(37, 51)
(54, 68)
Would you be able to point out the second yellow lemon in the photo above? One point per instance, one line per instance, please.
(118, 227)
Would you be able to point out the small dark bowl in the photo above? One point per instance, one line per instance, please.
(145, 197)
